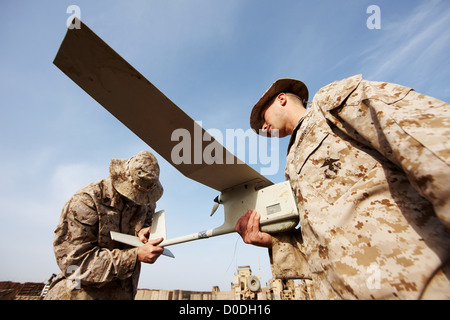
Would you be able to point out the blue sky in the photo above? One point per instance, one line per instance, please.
(214, 59)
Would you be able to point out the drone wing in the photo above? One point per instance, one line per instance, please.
(146, 111)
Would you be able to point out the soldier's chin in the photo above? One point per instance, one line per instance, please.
(274, 133)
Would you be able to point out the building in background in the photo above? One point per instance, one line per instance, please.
(245, 286)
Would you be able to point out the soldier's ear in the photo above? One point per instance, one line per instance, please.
(282, 98)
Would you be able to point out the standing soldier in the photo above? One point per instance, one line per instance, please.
(369, 165)
(93, 266)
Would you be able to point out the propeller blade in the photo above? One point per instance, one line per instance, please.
(214, 209)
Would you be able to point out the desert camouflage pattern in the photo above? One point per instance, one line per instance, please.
(92, 265)
(369, 164)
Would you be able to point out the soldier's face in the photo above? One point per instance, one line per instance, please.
(274, 118)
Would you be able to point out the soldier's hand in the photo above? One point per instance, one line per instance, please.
(149, 252)
(248, 227)
(144, 234)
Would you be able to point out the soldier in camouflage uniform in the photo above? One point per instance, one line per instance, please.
(369, 165)
(92, 265)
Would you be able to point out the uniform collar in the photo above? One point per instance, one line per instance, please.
(110, 197)
(334, 94)
(294, 132)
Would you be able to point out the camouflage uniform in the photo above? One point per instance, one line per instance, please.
(85, 252)
(369, 163)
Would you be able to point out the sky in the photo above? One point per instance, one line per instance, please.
(214, 59)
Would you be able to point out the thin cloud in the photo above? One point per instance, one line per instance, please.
(410, 42)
